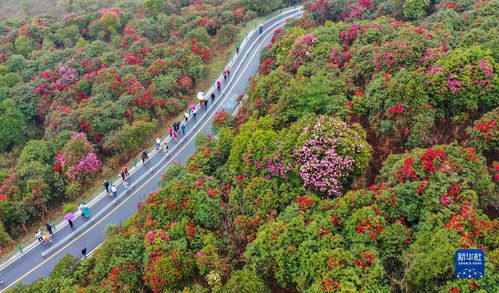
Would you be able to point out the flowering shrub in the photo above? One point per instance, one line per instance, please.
(347, 37)
(222, 119)
(185, 83)
(133, 59)
(331, 154)
(208, 260)
(167, 270)
(307, 249)
(465, 80)
(393, 55)
(274, 166)
(266, 66)
(67, 76)
(300, 52)
(414, 9)
(484, 134)
(338, 57)
(76, 159)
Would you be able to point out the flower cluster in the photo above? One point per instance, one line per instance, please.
(207, 21)
(484, 134)
(394, 55)
(66, 76)
(327, 155)
(347, 37)
(185, 82)
(406, 172)
(300, 52)
(397, 109)
(370, 227)
(471, 226)
(339, 57)
(266, 66)
(365, 260)
(431, 158)
(133, 59)
(89, 164)
(305, 202)
(328, 285)
(7, 189)
(475, 77)
(214, 279)
(274, 166)
(153, 236)
(77, 159)
(129, 37)
(113, 10)
(222, 119)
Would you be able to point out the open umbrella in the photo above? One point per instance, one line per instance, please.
(192, 106)
(69, 216)
(200, 96)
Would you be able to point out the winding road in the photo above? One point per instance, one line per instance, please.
(37, 260)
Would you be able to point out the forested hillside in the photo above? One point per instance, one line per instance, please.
(28, 8)
(364, 156)
(83, 94)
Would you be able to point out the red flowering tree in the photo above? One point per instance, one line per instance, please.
(185, 83)
(222, 119)
(484, 135)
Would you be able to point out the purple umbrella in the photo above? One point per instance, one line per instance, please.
(192, 106)
(69, 216)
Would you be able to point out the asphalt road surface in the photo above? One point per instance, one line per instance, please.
(38, 259)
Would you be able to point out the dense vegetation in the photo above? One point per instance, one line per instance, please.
(84, 93)
(363, 158)
(58, 8)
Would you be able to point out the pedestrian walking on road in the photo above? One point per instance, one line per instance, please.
(219, 85)
(84, 252)
(158, 143)
(212, 97)
(125, 169)
(170, 130)
(106, 185)
(46, 238)
(52, 224)
(71, 224)
(261, 29)
(122, 174)
(237, 49)
(144, 156)
(165, 147)
(113, 190)
(205, 103)
(186, 116)
(183, 129)
(39, 235)
(86, 210)
(228, 72)
(49, 229)
(194, 112)
(225, 75)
